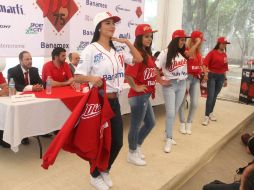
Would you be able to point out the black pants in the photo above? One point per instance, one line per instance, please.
(116, 134)
(214, 85)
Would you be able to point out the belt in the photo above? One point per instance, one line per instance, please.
(112, 95)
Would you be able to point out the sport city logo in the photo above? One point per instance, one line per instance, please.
(34, 28)
(139, 12)
(58, 12)
(91, 110)
(119, 8)
(18, 9)
(82, 45)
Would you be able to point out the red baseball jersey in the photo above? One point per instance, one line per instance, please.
(194, 65)
(87, 133)
(143, 75)
(216, 62)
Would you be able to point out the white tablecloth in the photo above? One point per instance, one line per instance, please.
(42, 116)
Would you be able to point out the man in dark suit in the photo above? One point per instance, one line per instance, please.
(74, 61)
(26, 77)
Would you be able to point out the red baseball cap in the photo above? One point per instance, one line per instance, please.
(142, 29)
(197, 34)
(179, 34)
(222, 40)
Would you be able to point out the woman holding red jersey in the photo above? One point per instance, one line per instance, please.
(194, 68)
(217, 64)
(141, 77)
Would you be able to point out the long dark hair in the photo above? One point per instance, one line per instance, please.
(173, 51)
(248, 183)
(218, 47)
(96, 36)
(145, 51)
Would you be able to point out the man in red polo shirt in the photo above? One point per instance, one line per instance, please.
(58, 69)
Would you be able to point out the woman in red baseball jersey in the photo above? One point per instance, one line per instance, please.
(194, 68)
(217, 64)
(141, 78)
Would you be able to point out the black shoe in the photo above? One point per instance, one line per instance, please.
(4, 144)
(25, 141)
(46, 135)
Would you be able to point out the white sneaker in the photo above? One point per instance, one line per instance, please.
(134, 158)
(183, 128)
(98, 183)
(188, 128)
(106, 178)
(206, 121)
(142, 156)
(212, 117)
(168, 145)
(174, 142)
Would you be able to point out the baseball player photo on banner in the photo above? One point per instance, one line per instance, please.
(38, 26)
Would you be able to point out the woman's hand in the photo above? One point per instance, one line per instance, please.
(120, 40)
(140, 88)
(96, 81)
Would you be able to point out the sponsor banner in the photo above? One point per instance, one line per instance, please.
(38, 25)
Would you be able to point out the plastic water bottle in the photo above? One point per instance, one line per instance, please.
(49, 85)
(11, 87)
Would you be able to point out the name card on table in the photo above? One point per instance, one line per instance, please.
(22, 98)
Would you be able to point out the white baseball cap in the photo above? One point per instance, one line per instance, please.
(103, 16)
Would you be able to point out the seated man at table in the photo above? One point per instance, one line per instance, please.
(74, 61)
(25, 76)
(3, 92)
(58, 69)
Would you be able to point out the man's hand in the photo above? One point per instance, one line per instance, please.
(37, 88)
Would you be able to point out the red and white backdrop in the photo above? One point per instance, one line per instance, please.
(40, 25)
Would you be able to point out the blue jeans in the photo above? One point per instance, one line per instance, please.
(214, 85)
(141, 112)
(173, 96)
(193, 86)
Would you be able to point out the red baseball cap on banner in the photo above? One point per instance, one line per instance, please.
(179, 34)
(222, 40)
(103, 16)
(142, 29)
(197, 34)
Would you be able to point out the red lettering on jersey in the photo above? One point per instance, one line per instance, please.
(177, 64)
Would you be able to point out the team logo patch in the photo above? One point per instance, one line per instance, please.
(91, 110)
(98, 58)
